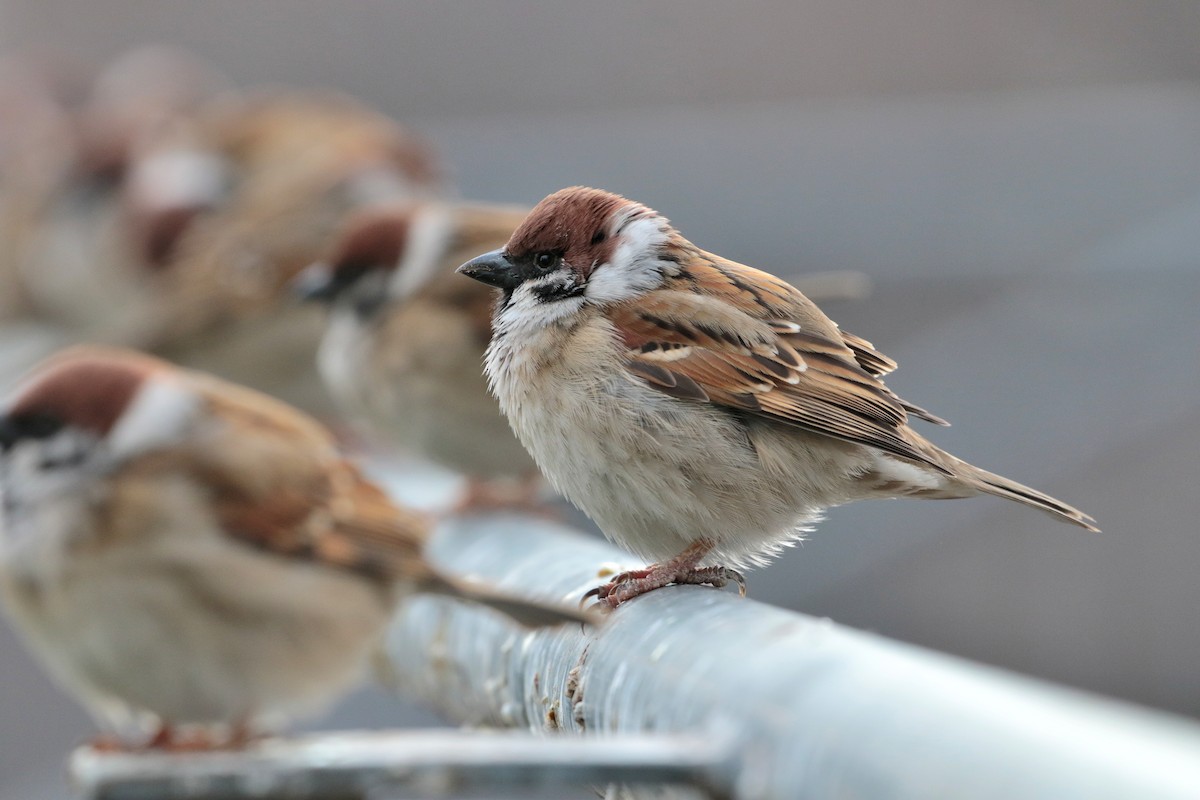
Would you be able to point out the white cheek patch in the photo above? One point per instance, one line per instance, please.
(179, 179)
(639, 232)
(426, 243)
(635, 267)
(37, 471)
(159, 414)
(67, 447)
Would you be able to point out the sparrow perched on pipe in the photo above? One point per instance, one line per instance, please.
(702, 412)
(192, 557)
(403, 351)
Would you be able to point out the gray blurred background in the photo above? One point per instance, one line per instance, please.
(1021, 180)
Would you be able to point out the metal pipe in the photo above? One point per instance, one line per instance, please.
(809, 708)
(353, 766)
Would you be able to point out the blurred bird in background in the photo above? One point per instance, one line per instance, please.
(90, 250)
(300, 162)
(173, 211)
(196, 560)
(38, 140)
(403, 351)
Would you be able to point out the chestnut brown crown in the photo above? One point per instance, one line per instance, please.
(84, 389)
(573, 224)
(371, 241)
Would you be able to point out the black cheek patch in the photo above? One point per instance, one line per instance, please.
(367, 307)
(557, 291)
(74, 459)
(504, 298)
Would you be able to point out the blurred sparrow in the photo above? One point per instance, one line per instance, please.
(181, 551)
(95, 239)
(300, 163)
(404, 347)
(37, 142)
(703, 413)
(186, 213)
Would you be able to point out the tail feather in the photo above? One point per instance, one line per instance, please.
(530, 613)
(1002, 487)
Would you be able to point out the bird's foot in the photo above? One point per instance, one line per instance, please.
(718, 577)
(109, 743)
(170, 739)
(628, 585)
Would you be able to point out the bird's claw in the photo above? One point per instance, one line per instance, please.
(628, 585)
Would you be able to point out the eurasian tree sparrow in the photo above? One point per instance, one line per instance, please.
(301, 162)
(700, 411)
(404, 347)
(181, 551)
(183, 240)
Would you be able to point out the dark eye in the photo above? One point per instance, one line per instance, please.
(545, 261)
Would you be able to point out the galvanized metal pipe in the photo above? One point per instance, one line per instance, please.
(354, 766)
(809, 709)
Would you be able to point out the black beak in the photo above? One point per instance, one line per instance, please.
(494, 269)
(315, 284)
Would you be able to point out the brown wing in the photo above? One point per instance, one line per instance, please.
(280, 485)
(740, 338)
(877, 364)
(371, 533)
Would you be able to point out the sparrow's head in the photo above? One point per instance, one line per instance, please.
(364, 257)
(82, 413)
(577, 247)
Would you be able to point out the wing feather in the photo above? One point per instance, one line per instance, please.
(280, 485)
(726, 334)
